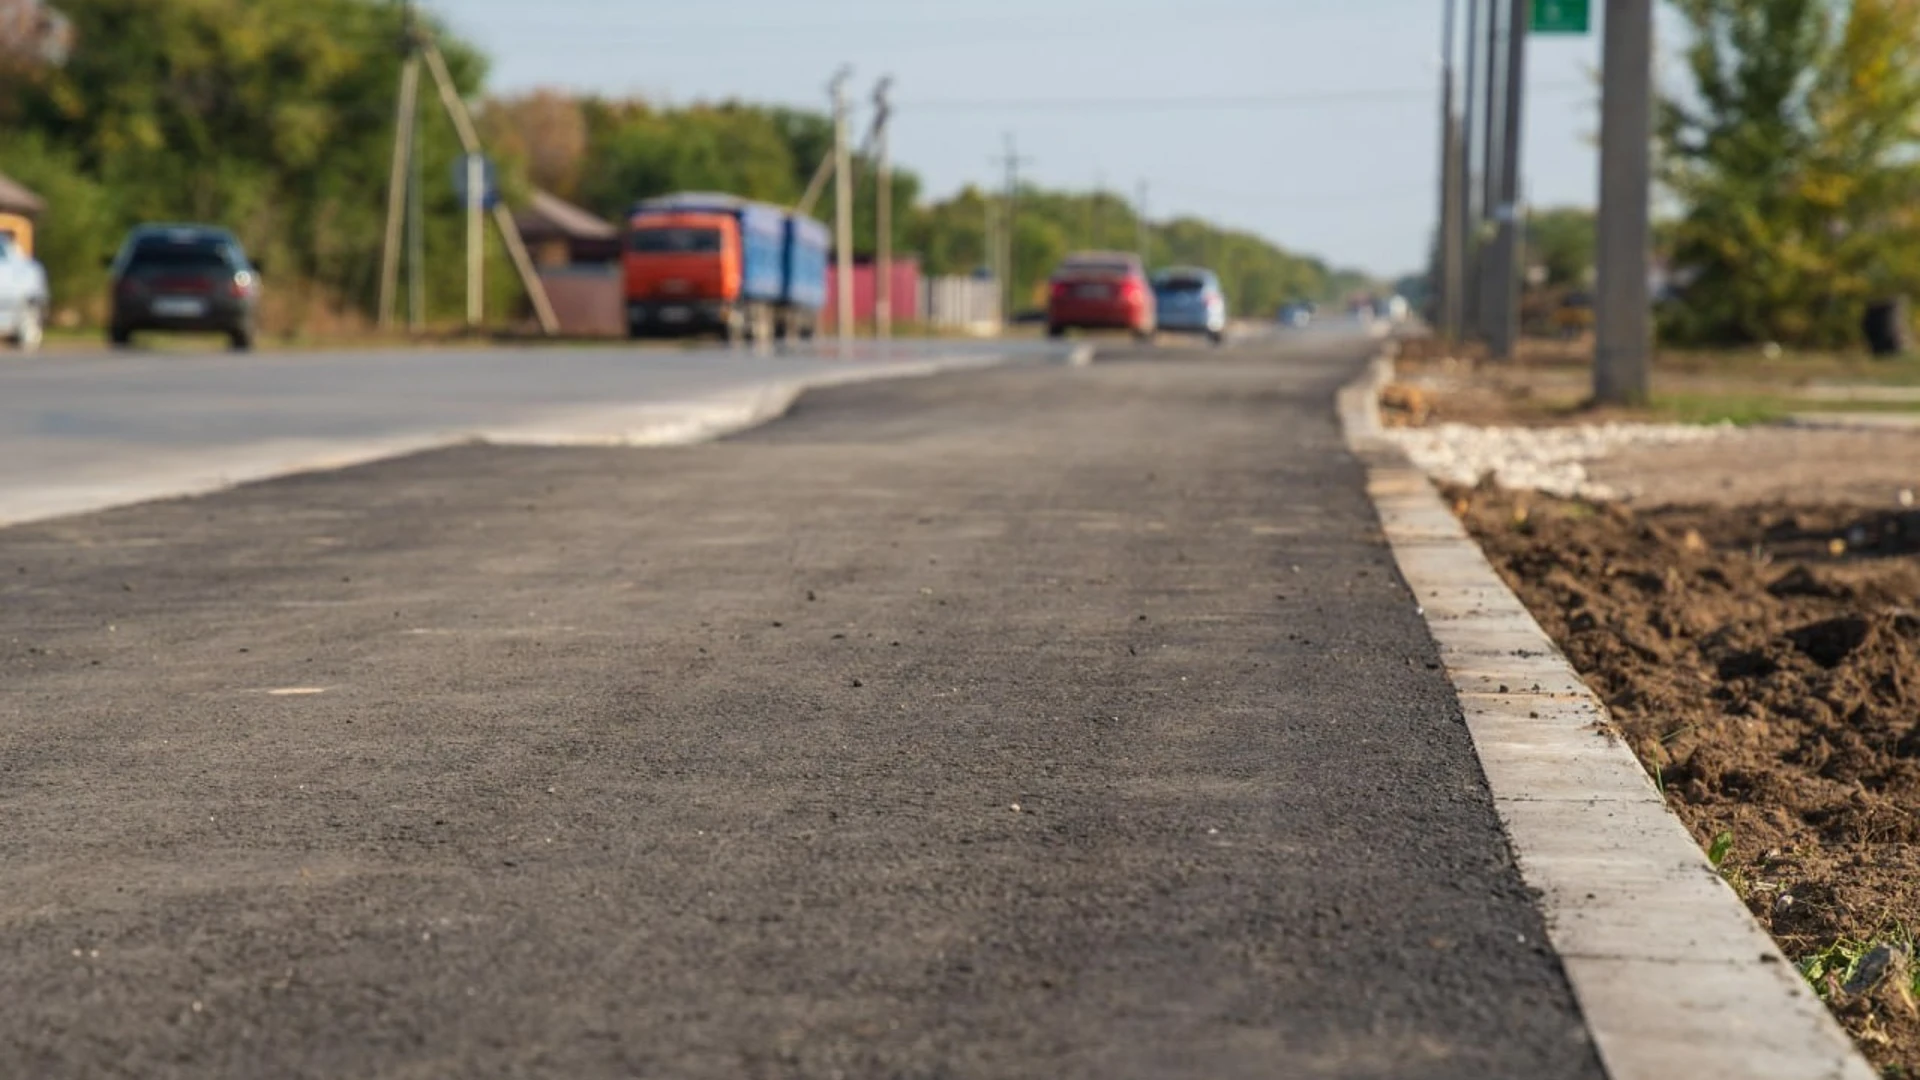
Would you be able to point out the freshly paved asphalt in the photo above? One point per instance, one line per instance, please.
(1041, 722)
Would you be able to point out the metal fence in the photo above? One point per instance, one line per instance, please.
(962, 303)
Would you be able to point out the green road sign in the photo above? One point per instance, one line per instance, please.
(1561, 16)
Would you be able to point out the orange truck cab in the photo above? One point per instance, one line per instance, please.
(701, 261)
(682, 271)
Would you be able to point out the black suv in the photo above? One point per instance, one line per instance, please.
(184, 277)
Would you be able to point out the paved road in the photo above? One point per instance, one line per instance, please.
(82, 431)
(1040, 722)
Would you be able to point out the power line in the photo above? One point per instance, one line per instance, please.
(1207, 101)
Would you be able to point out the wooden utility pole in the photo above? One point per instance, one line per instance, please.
(843, 209)
(1623, 319)
(1140, 223)
(883, 216)
(503, 218)
(400, 177)
(1009, 251)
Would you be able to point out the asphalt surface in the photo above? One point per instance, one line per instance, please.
(83, 430)
(1040, 722)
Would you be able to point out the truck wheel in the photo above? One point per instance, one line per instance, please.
(32, 329)
(1056, 331)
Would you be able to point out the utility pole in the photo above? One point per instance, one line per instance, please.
(1449, 257)
(1504, 333)
(843, 209)
(1473, 136)
(1623, 320)
(400, 176)
(883, 217)
(1008, 222)
(1142, 238)
(1492, 85)
(502, 217)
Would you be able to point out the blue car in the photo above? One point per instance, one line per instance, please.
(1188, 300)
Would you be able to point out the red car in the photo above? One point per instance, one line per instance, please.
(1100, 290)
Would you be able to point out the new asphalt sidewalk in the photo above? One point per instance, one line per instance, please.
(1040, 722)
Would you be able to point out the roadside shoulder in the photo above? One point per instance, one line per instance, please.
(1673, 975)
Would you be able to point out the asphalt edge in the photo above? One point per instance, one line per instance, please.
(677, 423)
(1672, 974)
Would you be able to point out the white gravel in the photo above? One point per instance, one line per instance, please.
(1551, 460)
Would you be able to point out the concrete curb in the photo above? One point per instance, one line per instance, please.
(1673, 975)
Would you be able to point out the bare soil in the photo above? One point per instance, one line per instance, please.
(1764, 662)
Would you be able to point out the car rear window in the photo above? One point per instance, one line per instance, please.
(1096, 269)
(1181, 283)
(674, 241)
(172, 256)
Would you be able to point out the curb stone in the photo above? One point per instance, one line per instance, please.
(1672, 974)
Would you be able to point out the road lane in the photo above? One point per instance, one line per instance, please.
(1042, 722)
(83, 431)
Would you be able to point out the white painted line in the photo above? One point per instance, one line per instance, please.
(1674, 977)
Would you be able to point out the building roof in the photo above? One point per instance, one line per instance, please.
(16, 199)
(549, 215)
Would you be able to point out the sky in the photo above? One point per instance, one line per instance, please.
(1318, 128)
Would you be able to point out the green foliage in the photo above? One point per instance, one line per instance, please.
(1794, 162)
(69, 241)
(1562, 240)
(271, 117)
(1258, 275)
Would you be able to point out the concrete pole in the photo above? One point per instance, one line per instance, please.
(883, 217)
(1623, 317)
(1503, 337)
(1472, 137)
(843, 211)
(1490, 132)
(1448, 256)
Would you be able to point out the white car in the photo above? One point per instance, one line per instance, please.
(23, 296)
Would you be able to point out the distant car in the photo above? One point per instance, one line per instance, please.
(191, 278)
(23, 295)
(1101, 290)
(1189, 300)
(1295, 315)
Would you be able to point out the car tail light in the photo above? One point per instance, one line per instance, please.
(1059, 289)
(242, 285)
(129, 287)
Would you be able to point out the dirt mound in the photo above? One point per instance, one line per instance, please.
(1764, 662)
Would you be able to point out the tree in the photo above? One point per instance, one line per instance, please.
(1794, 163)
(1562, 241)
(548, 131)
(272, 117)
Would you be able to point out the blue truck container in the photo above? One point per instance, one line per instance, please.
(808, 243)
